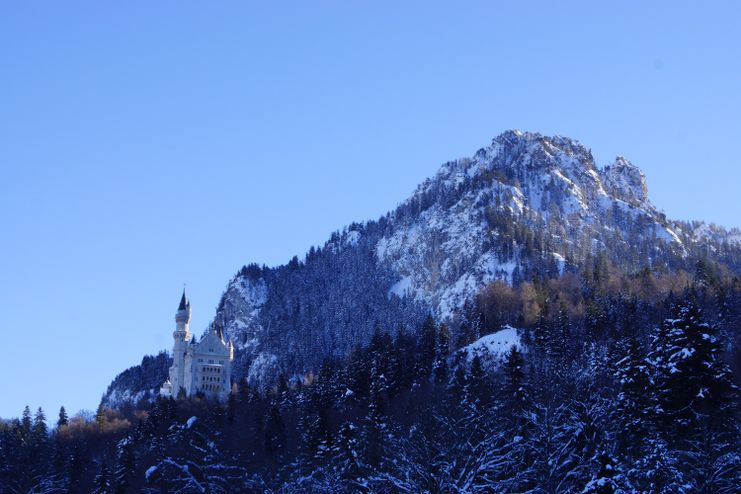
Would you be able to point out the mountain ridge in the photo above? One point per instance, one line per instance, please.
(525, 206)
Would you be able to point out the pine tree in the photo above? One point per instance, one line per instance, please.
(458, 386)
(696, 398)
(395, 369)
(693, 382)
(634, 401)
(516, 394)
(63, 419)
(604, 481)
(39, 424)
(102, 482)
(556, 338)
(427, 349)
(701, 274)
(358, 373)
(283, 391)
(125, 463)
(100, 418)
(347, 455)
(543, 331)
(75, 468)
(375, 420)
(440, 368)
(659, 471)
(275, 434)
(26, 423)
(479, 389)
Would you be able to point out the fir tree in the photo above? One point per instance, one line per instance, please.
(102, 482)
(440, 368)
(427, 349)
(75, 468)
(634, 400)
(693, 382)
(375, 421)
(26, 423)
(63, 419)
(604, 480)
(275, 434)
(100, 417)
(479, 389)
(515, 391)
(40, 430)
(125, 464)
(458, 386)
(347, 453)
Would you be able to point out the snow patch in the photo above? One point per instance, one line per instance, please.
(352, 237)
(401, 288)
(666, 234)
(561, 261)
(494, 345)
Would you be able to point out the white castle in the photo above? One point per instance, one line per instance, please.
(203, 366)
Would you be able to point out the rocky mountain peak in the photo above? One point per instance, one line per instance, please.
(625, 181)
(526, 207)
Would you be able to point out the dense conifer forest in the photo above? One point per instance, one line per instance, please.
(621, 383)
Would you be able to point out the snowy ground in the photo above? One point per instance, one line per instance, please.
(492, 347)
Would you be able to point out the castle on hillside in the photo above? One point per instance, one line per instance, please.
(198, 366)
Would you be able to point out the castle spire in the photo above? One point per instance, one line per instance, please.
(182, 316)
(184, 302)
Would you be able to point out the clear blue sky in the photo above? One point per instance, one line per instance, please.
(146, 144)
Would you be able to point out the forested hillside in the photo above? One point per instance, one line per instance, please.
(525, 207)
(618, 383)
(524, 322)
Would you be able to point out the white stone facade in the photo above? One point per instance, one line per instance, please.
(203, 366)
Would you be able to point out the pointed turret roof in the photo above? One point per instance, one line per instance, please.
(184, 302)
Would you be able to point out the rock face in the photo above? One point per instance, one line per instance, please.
(525, 205)
(625, 180)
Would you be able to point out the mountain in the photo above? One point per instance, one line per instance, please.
(525, 207)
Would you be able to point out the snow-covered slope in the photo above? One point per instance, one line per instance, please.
(525, 205)
(492, 348)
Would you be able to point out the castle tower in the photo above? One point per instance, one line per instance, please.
(182, 337)
(182, 316)
(198, 366)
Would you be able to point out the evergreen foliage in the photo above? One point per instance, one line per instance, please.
(634, 394)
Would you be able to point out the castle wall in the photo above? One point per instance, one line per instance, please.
(204, 367)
